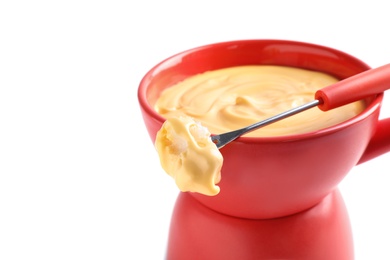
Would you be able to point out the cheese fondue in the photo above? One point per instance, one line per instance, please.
(228, 99)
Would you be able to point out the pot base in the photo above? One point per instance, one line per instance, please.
(322, 232)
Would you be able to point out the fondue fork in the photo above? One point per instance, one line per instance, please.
(357, 87)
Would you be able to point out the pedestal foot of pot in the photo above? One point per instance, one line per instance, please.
(322, 232)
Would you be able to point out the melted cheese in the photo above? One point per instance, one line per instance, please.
(232, 98)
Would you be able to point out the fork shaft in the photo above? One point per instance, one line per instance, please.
(281, 116)
(225, 138)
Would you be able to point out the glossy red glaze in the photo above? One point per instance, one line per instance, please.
(276, 176)
(322, 232)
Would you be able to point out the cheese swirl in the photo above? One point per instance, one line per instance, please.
(231, 98)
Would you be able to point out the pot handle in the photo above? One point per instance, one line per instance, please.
(379, 143)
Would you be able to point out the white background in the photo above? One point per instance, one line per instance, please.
(79, 176)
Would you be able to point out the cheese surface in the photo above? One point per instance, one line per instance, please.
(228, 99)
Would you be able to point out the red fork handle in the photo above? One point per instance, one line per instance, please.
(357, 87)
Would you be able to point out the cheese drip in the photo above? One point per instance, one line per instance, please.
(189, 156)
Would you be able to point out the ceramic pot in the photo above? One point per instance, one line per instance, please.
(269, 177)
